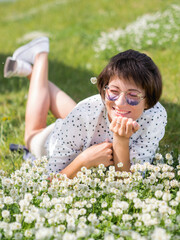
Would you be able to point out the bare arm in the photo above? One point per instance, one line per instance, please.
(91, 157)
(123, 128)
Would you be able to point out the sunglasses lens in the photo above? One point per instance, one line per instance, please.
(132, 102)
(132, 98)
(111, 97)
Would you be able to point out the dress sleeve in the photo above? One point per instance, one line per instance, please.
(66, 141)
(152, 129)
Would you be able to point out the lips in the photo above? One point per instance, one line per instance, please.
(121, 112)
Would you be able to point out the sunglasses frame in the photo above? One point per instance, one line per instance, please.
(141, 97)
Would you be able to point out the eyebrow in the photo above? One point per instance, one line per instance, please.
(127, 89)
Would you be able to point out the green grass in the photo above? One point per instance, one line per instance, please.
(74, 27)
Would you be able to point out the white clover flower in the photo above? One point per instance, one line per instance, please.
(69, 236)
(93, 80)
(124, 205)
(68, 200)
(8, 200)
(166, 196)
(61, 228)
(158, 156)
(15, 226)
(174, 183)
(88, 172)
(82, 211)
(126, 217)
(109, 237)
(160, 234)
(23, 205)
(38, 225)
(173, 203)
(179, 158)
(29, 218)
(7, 182)
(92, 217)
(81, 233)
(4, 225)
(146, 218)
(44, 233)
(5, 213)
(1, 206)
(168, 222)
(170, 161)
(120, 164)
(168, 156)
(8, 233)
(138, 224)
(92, 200)
(101, 166)
(28, 197)
(115, 229)
(28, 233)
(163, 209)
(131, 195)
(104, 204)
(158, 193)
(178, 196)
(118, 212)
(171, 211)
(82, 221)
(83, 169)
(18, 236)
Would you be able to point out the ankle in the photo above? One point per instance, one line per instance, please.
(41, 55)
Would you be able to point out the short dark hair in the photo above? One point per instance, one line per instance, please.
(133, 65)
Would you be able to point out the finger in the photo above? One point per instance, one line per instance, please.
(110, 162)
(135, 126)
(113, 124)
(122, 129)
(129, 126)
(119, 122)
(107, 140)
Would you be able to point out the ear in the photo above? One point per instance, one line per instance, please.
(146, 106)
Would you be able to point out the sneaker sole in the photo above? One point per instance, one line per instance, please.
(29, 45)
(9, 67)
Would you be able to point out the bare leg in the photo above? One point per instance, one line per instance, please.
(61, 104)
(43, 96)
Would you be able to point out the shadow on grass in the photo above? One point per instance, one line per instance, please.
(172, 136)
(74, 81)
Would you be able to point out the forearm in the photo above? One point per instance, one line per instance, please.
(91, 157)
(72, 169)
(121, 153)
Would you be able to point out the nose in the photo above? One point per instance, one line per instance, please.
(121, 100)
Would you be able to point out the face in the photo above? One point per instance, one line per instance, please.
(119, 107)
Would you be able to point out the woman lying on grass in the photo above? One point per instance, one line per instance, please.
(123, 123)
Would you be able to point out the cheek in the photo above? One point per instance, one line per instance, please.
(137, 112)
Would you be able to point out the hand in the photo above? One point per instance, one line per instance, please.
(97, 154)
(124, 127)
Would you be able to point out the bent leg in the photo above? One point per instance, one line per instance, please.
(60, 103)
(43, 96)
(38, 98)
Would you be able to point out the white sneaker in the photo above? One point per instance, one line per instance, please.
(16, 68)
(29, 51)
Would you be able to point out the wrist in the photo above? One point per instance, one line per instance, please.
(120, 139)
(82, 160)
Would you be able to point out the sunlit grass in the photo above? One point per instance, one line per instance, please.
(74, 27)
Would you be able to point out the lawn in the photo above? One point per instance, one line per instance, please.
(83, 36)
(75, 29)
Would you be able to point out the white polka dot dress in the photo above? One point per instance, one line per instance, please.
(88, 124)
